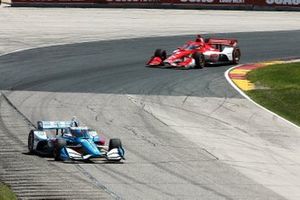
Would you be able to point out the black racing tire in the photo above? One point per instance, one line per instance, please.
(59, 144)
(31, 141)
(236, 56)
(160, 53)
(199, 60)
(114, 143)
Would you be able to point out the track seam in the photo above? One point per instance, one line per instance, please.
(17, 110)
(27, 174)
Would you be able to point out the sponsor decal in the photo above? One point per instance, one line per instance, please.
(197, 1)
(233, 1)
(214, 57)
(216, 1)
(283, 2)
(134, 1)
(51, 1)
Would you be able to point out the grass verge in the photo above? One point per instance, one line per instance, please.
(278, 89)
(6, 193)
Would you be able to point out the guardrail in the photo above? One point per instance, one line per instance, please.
(190, 4)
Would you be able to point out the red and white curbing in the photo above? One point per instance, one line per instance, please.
(237, 77)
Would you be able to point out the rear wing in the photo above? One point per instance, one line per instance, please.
(228, 42)
(42, 125)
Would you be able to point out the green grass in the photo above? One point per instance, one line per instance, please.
(6, 193)
(278, 89)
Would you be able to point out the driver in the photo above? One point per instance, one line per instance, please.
(78, 132)
(199, 39)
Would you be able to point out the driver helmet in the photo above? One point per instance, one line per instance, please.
(75, 122)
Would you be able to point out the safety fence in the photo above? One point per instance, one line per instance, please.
(192, 4)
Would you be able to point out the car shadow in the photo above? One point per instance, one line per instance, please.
(88, 162)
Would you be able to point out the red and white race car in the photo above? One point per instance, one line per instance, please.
(198, 53)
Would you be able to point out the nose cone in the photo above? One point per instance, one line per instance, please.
(90, 147)
(179, 55)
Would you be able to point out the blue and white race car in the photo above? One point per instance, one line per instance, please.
(64, 140)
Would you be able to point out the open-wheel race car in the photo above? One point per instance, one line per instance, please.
(198, 54)
(64, 140)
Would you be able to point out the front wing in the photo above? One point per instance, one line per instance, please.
(116, 154)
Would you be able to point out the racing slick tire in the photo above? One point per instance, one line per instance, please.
(31, 142)
(199, 60)
(114, 143)
(236, 55)
(160, 53)
(60, 143)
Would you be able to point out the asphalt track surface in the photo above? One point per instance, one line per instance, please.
(117, 66)
(103, 78)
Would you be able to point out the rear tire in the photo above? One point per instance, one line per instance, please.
(236, 56)
(31, 142)
(160, 53)
(199, 60)
(114, 143)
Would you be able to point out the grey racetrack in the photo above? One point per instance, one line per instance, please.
(118, 66)
(169, 120)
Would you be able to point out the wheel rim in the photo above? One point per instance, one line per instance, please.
(202, 62)
(236, 56)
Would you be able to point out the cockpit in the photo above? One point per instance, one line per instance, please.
(79, 132)
(191, 46)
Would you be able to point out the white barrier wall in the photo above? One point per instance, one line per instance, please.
(193, 4)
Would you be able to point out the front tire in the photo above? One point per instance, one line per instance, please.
(162, 54)
(114, 143)
(60, 143)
